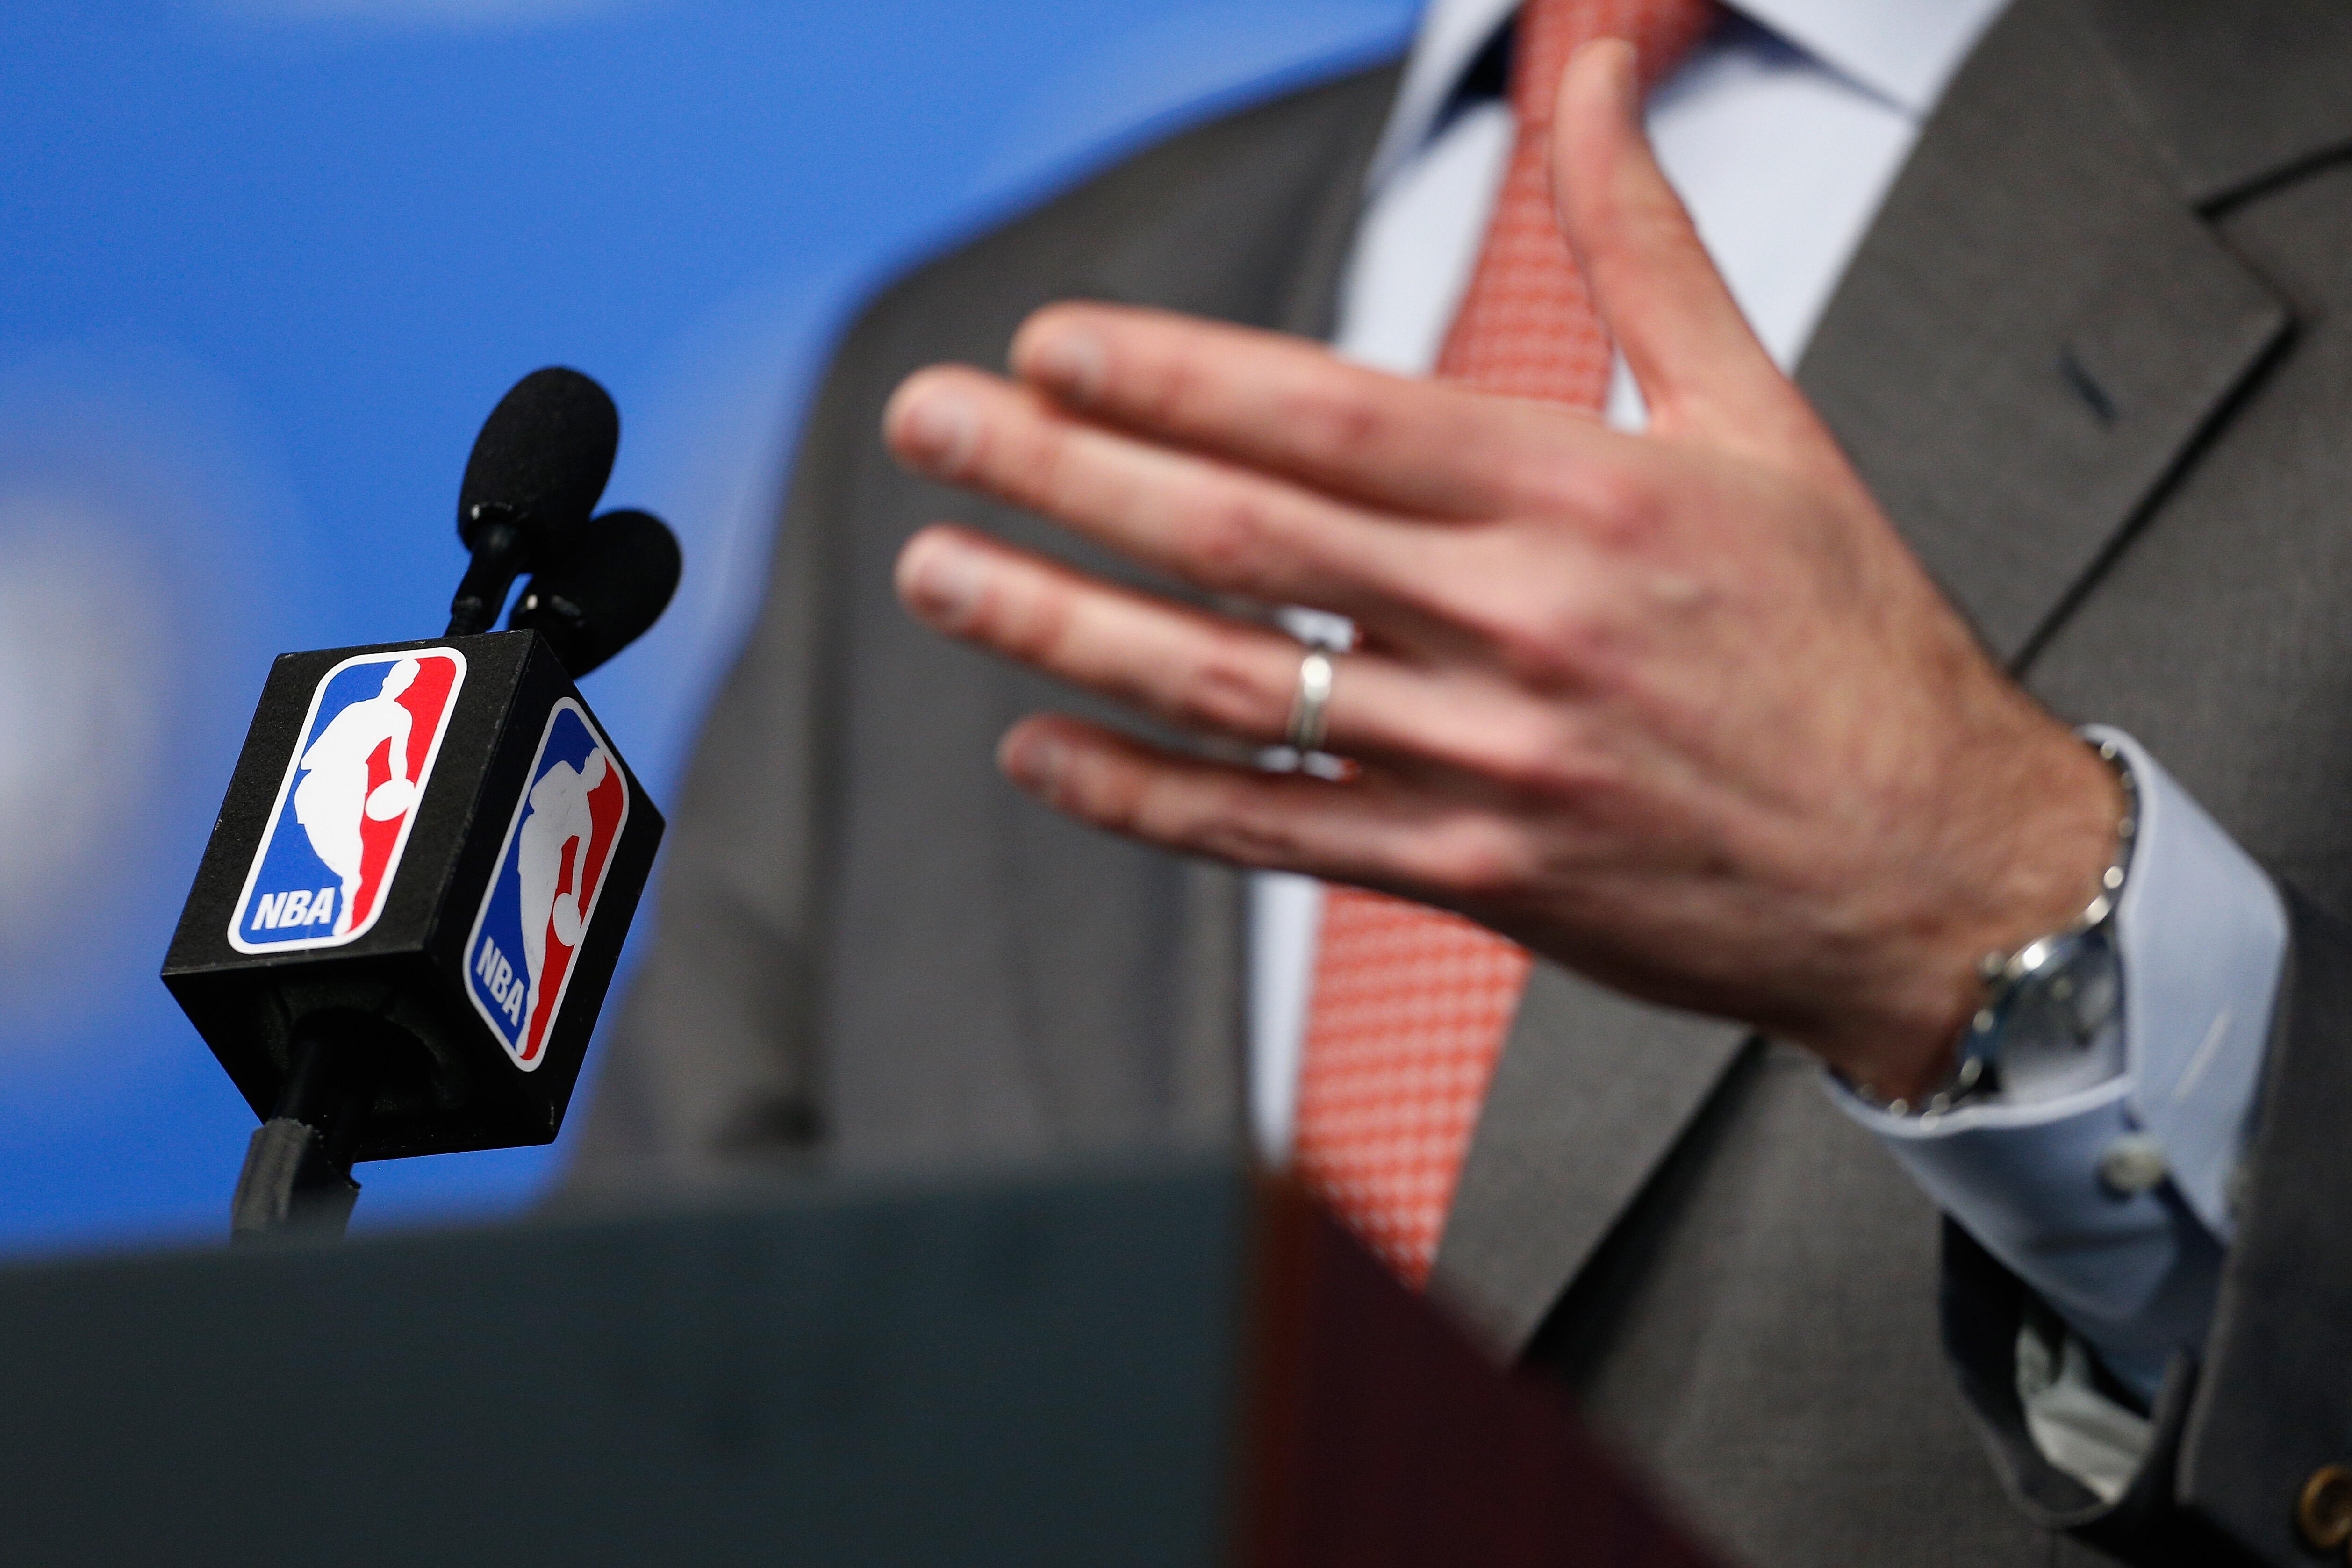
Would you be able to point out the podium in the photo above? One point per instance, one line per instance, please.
(1168, 1363)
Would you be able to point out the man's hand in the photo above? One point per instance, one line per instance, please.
(1678, 710)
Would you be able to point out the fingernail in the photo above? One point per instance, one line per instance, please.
(942, 582)
(937, 431)
(1035, 761)
(1068, 361)
(1624, 83)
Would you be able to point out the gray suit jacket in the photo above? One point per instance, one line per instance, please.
(2096, 359)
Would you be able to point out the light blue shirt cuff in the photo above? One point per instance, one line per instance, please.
(2201, 934)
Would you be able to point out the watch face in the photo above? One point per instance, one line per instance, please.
(2062, 1024)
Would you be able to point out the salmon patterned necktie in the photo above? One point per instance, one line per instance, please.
(1411, 1005)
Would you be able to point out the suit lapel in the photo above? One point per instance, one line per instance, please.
(1593, 1093)
(2033, 340)
(2233, 96)
(2037, 330)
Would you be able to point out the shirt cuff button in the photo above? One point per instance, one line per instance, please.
(2324, 1513)
(2133, 1165)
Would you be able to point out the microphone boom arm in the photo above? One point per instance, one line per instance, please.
(498, 545)
(298, 1165)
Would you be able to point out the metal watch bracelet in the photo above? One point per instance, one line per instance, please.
(2069, 974)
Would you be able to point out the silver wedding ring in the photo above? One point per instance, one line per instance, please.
(1308, 726)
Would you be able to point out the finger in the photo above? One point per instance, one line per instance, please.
(1212, 675)
(1197, 518)
(1371, 831)
(1197, 670)
(1283, 403)
(1700, 366)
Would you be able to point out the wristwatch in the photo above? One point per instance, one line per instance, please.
(2047, 1022)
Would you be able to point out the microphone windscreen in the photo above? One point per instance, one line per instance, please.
(613, 581)
(543, 454)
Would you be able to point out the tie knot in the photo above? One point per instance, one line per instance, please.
(1549, 31)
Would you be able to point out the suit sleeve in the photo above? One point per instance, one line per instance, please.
(2240, 1429)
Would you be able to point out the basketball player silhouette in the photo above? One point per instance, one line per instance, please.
(560, 821)
(333, 794)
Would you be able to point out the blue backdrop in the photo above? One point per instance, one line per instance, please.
(264, 267)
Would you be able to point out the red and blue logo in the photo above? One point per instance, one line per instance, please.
(347, 800)
(542, 896)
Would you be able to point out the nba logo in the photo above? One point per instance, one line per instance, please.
(543, 894)
(347, 800)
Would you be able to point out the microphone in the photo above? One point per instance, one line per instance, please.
(613, 582)
(534, 475)
(414, 899)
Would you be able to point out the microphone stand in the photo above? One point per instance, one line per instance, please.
(539, 465)
(298, 1166)
(498, 541)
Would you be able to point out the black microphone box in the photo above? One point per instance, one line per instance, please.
(433, 850)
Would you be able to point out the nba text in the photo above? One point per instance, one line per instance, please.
(497, 973)
(278, 911)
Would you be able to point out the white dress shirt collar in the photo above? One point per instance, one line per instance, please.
(1902, 50)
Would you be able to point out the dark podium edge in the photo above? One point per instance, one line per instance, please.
(1378, 1434)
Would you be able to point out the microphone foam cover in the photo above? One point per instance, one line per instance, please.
(543, 454)
(613, 581)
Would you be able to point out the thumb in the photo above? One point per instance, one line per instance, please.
(1699, 366)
